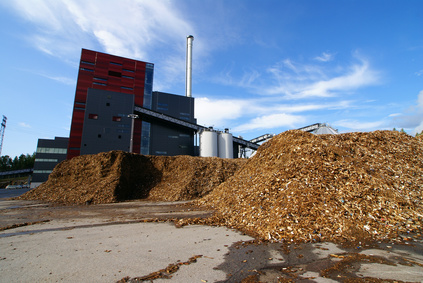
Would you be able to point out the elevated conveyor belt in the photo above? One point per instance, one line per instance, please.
(153, 115)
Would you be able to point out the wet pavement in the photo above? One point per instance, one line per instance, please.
(12, 193)
(138, 241)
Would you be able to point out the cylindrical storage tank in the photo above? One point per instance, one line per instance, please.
(225, 146)
(208, 144)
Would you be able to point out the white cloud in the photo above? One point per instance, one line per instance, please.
(217, 112)
(359, 76)
(292, 80)
(325, 57)
(359, 125)
(24, 125)
(413, 117)
(418, 115)
(249, 114)
(270, 122)
(152, 31)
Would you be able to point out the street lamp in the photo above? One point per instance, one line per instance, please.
(133, 117)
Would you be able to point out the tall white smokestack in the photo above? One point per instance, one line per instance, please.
(188, 83)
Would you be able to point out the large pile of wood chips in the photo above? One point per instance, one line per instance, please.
(117, 176)
(302, 187)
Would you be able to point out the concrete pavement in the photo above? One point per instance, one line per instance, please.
(88, 245)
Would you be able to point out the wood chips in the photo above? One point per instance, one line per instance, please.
(298, 187)
(301, 187)
(118, 176)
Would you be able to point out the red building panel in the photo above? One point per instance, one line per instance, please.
(108, 72)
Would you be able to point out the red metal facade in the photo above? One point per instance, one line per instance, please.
(108, 72)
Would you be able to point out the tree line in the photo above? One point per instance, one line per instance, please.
(22, 162)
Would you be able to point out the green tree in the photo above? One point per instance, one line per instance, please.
(17, 163)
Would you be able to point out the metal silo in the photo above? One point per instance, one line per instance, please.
(208, 143)
(225, 144)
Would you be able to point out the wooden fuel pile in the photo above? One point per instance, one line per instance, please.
(117, 176)
(301, 187)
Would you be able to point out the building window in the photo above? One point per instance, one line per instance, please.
(45, 160)
(117, 118)
(88, 63)
(162, 106)
(97, 83)
(86, 69)
(126, 70)
(119, 136)
(127, 77)
(93, 116)
(125, 87)
(42, 171)
(173, 137)
(161, 152)
(107, 103)
(53, 150)
(123, 131)
(117, 64)
(99, 135)
(100, 79)
(115, 74)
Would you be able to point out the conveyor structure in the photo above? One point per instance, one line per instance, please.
(149, 115)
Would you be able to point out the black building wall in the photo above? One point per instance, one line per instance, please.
(49, 153)
(167, 139)
(106, 123)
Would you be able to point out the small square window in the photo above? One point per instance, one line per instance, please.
(93, 116)
(99, 135)
(108, 104)
(115, 74)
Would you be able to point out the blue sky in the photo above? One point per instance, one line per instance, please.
(258, 66)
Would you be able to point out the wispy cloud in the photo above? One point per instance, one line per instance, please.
(24, 125)
(359, 75)
(60, 79)
(152, 31)
(271, 122)
(325, 57)
(292, 80)
(359, 125)
(413, 116)
(127, 27)
(63, 80)
(243, 115)
(312, 81)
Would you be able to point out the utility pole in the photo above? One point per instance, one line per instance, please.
(3, 127)
(133, 117)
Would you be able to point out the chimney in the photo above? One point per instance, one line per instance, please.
(188, 83)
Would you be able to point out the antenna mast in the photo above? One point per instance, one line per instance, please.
(3, 127)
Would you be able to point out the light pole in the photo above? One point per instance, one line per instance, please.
(133, 117)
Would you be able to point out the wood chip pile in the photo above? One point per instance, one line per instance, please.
(301, 187)
(117, 176)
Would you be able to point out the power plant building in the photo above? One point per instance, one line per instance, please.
(107, 91)
(115, 108)
(49, 153)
